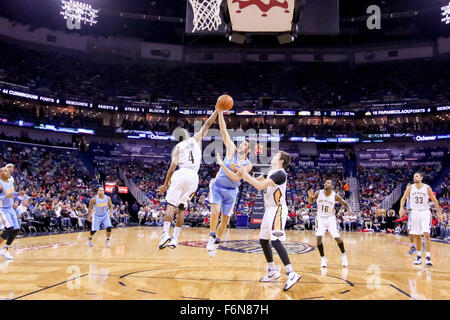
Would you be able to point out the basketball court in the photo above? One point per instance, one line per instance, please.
(64, 267)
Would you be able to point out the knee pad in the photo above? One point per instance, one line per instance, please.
(93, 232)
(182, 206)
(108, 229)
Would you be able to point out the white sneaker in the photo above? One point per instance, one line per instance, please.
(5, 254)
(428, 262)
(271, 275)
(173, 243)
(210, 244)
(212, 253)
(418, 261)
(344, 273)
(292, 279)
(164, 240)
(323, 262)
(344, 260)
(107, 243)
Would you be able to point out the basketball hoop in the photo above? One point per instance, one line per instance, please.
(206, 15)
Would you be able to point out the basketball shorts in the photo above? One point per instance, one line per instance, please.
(324, 224)
(226, 198)
(9, 216)
(183, 185)
(274, 221)
(420, 222)
(98, 221)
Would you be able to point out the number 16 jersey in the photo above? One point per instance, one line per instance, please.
(325, 205)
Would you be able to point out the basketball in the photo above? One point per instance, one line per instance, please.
(224, 103)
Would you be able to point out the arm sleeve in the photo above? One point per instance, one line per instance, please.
(278, 177)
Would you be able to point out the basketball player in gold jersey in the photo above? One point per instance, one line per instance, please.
(420, 216)
(326, 219)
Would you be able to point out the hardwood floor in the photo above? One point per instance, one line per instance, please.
(65, 267)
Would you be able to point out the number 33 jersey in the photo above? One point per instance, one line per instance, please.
(325, 205)
(419, 198)
(190, 154)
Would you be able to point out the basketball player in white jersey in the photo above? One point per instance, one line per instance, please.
(420, 216)
(326, 218)
(182, 184)
(275, 215)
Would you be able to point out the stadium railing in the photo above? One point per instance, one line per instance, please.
(140, 196)
(391, 199)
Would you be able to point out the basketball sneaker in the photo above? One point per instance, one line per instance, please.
(164, 240)
(292, 278)
(5, 254)
(90, 243)
(428, 262)
(108, 244)
(418, 261)
(210, 244)
(323, 262)
(212, 253)
(412, 250)
(173, 243)
(271, 275)
(344, 260)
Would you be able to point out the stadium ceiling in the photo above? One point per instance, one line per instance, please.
(163, 20)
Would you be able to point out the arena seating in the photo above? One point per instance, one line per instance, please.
(315, 85)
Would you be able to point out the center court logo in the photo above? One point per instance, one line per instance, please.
(251, 246)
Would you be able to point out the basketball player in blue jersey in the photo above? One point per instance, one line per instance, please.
(103, 210)
(10, 224)
(225, 187)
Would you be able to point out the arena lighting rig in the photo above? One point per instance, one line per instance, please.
(445, 14)
(76, 12)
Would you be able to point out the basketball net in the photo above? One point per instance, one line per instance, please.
(206, 14)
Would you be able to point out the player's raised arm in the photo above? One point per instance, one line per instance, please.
(258, 184)
(172, 168)
(344, 203)
(204, 130)
(403, 201)
(229, 144)
(436, 203)
(312, 196)
(232, 175)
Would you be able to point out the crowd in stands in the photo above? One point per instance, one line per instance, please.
(375, 184)
(55, 188)
(325, 85)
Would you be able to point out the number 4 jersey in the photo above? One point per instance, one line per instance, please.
(190, 154)
(419, 197)
(325, 205)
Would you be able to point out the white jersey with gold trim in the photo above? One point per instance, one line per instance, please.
(190, 154)
(325, 205)
(419, 197)
(275, 195)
